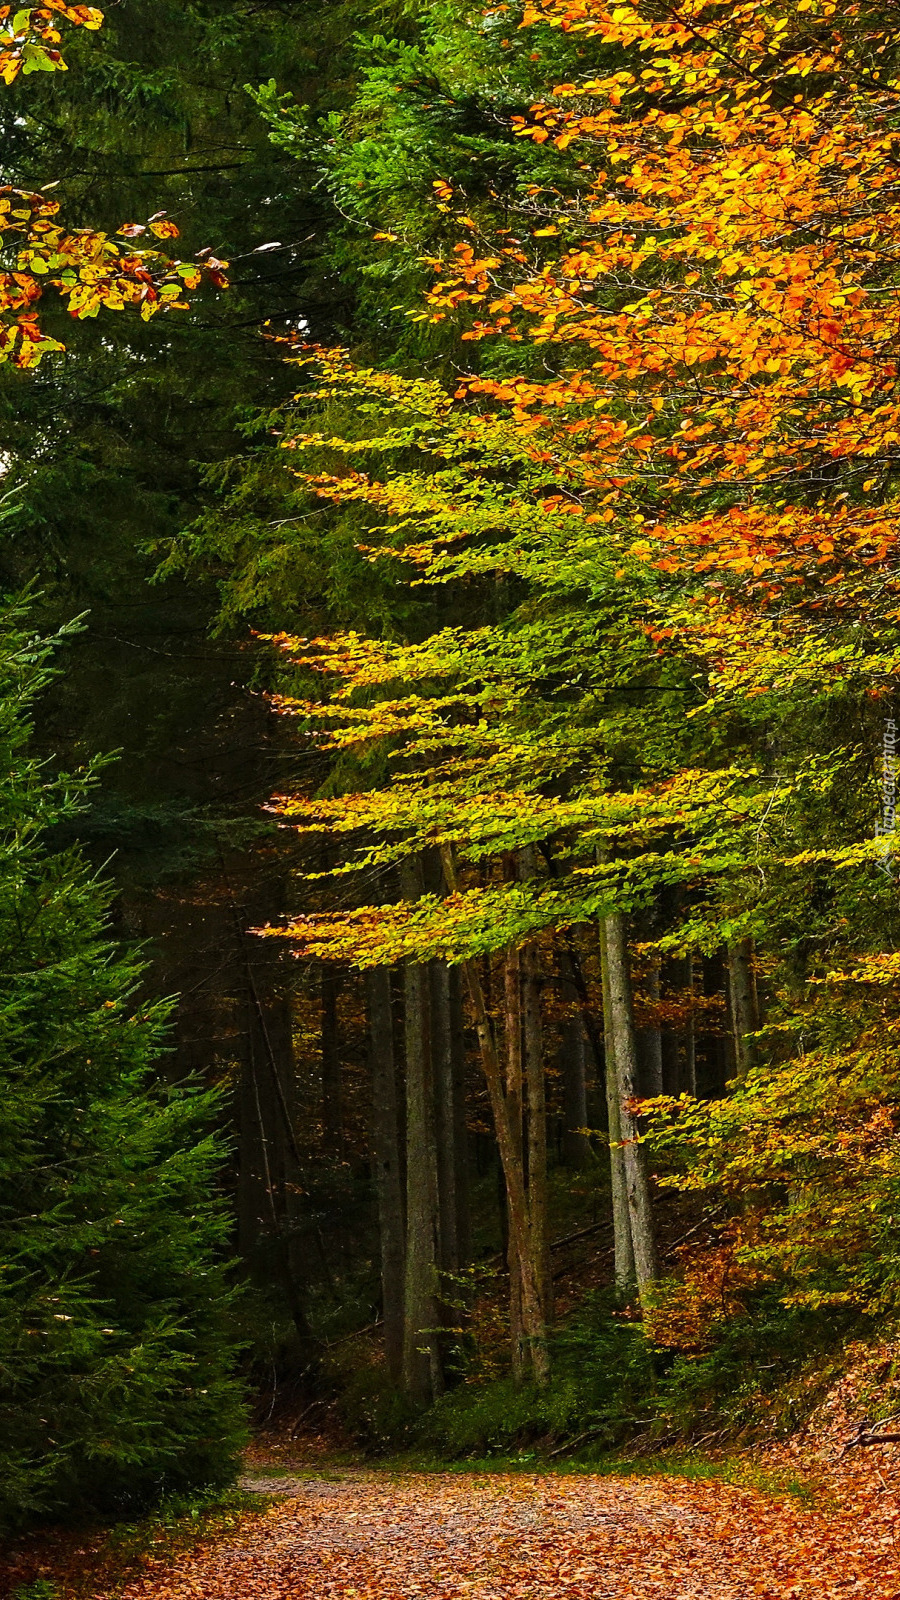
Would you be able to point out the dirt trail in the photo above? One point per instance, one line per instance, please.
(467, 1537)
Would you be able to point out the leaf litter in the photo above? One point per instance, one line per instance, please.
(513, 1537)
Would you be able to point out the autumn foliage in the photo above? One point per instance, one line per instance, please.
(88, 269)
(676, 464)
(575, 577)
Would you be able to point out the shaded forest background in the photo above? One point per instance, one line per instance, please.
(332, 157)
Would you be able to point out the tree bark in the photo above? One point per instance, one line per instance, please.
(535, 1090)
(517, 1205)
(422, 1375)
(279, 1236)
(576, 1144)
(636, 1178)
(445, 1118)
(622, 1245)
(671, 1062)
(719, 1045)
(513, 1009)
(422, 1370)
(649, 1046)
(386, 1156)
(460, 1130)
(332, 1108)
(272, 1047)
(689, 1078)
(744, 1016)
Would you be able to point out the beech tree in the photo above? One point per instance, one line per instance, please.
(608, 625)
(685, 507)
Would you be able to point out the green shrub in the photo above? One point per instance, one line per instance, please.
(603, 1378)
(765, 1372)
(610, 1387)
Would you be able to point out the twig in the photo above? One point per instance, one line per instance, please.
(696, 1229)
(304, 1414)
(582, 1233)
(590, 1433)
(358, 1333)
(570, 1444)
(865, 1435)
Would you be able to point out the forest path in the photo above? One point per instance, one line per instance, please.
(460, 1536)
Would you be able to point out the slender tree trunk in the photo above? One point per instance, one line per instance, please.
(513, 1006)
(280, 1241)
(671, 1062)
(689, 1078)
(649, 1046)
(533, 1320)
(270, 1046)
(670, 1043)
(517, 1204)
(744, 1017)
(272, 1041)
(332, 1108)
(445, 1119)
(386, 1152)
(622, 1245)
(572, 1060)
(636, 1177)
(422, 1376)
(535, 1090)
(502, 1202)
(460, 1131)
(247, 1197)
(580, 992)
(270, 1065)
(422, 1371)
(718, 1046)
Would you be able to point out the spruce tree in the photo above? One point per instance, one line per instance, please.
(116, 1359)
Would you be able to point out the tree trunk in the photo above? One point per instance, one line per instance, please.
(445, 1118)
(386, 1156)
(514, 1177)
(636, 1178)
(576, 1144)
(422, 1376)
(718, 1045)
(273, 1192)
(460, 1130)
(622, 1245)
(513, 1009)
(671, 1062)
(537, 1125)
(744, 1018)
(272, 1046)
(649, 1047)
(332, 1109)
(689, 1078)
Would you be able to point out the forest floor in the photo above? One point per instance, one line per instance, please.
(342, 1532)
(386, 1535)
(813, 1517)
